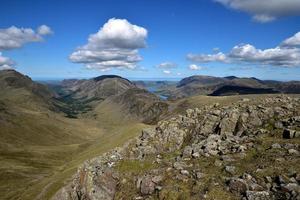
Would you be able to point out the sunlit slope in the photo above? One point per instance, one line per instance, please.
(40, 148)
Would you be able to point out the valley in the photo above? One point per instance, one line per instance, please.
(48, 131)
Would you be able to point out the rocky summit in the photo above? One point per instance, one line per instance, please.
(247, 150)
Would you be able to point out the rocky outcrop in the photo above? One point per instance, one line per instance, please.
(209, 151)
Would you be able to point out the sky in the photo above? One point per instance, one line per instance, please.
(151, 39)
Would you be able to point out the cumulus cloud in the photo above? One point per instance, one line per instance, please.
(195, 67)
(167, 72)
(285, 55)
(6, 63)
(13, 37)
(264, 11)
(115, 45)
(167, 65)
(44, 30)
(292, 41)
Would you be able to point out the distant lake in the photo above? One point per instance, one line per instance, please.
(153, 89)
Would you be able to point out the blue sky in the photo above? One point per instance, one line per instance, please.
(174, 28)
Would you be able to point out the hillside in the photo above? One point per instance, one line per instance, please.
(40, 147)
(98, 88)
(141, 104)
(245, 150)
(230, 85)
(19, 89)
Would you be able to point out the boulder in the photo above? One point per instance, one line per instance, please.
(238, 186)
(147, 185)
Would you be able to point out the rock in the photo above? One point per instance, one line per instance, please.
(147, 185)
(196, 155)
(255, 195)
(290, 187)
(179, 165)
(238, 186)
(230, 169)
(269, 179)
(293, 152)
(185, 172)
(187, 152)
(104, 186)
(278, 125)
(157, 179)
(199, 175)
(245, 100)
(276, 146)
(255, 187)
(218, 163)
(288, 134)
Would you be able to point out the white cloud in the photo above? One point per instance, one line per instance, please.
(6, 63)
(195, 67)
(220, 57)
(179, 73)
(285, 55)
(13, 37)
(44, 30)
(292, 41)
(115, 45)
(167, 72)
(167, 65)
(265, 10)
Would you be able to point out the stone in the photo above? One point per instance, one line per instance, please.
(179, 165)
(255, 187)
(238, 186)
(185, 172)
(258, 195)
(199, 175)
(218, 163)
(157, 179)
(293, 152)
(292, 187)
(187, 152)
(147, 185)
(278, 125)
(230, 169)
(276, 146)
(196, 155)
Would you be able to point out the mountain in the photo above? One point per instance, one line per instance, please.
(115, 91)
(141, 104)
(200, 81)
(240, 90)
(230, 85)
(21, 89)
(98, 88)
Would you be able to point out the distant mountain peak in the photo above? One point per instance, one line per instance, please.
(230, 77)
(102, 77)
